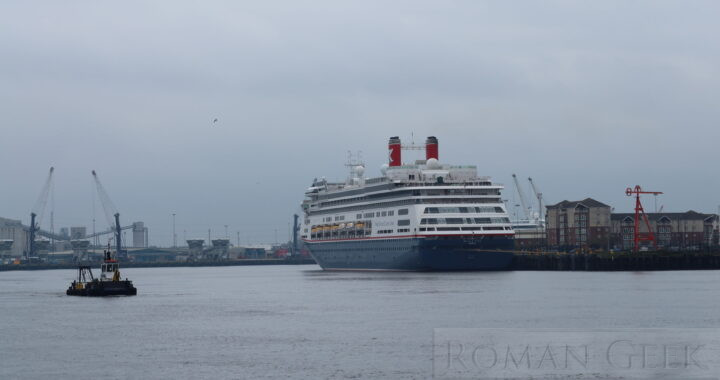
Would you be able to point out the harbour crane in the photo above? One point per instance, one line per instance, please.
(538, 195)
(111, 212)
(526, 211)
(111, 230)
(639, 210)
(37, 213)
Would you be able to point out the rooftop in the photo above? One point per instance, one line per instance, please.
(587, 202)
(687, 215)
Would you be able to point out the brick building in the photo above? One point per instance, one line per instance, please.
(679, 231)
(578, 224)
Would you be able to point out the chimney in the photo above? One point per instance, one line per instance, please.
(431, 148)
(395, 151)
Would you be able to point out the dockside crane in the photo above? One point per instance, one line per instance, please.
(111, 212)
(526, 211)
(538, 195)
(37, 213)
(640, 211)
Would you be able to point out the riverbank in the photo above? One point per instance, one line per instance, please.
(301, 261)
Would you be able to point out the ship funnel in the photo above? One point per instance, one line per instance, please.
(431, 148)
(395, 151)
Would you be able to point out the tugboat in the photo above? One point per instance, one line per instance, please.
(109, 283)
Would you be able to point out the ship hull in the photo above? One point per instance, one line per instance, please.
(416, 253)
(103, 289)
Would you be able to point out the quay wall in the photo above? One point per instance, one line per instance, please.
(616, 262)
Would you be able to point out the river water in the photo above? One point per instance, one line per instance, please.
(254, 322)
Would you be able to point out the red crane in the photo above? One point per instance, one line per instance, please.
(637, 235)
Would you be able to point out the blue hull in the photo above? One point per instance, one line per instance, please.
(442, 253)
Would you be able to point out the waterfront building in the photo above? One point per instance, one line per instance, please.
(581, 224)
(680, 231)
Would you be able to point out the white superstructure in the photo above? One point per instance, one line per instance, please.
(426, 198)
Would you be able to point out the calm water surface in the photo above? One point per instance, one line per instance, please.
(300, 322)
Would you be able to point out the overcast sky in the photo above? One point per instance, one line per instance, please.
(586, 97)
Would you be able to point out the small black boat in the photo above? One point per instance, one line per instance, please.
(109, 283)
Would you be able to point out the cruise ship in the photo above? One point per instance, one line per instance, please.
(421, 216)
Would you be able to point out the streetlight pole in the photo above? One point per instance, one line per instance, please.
(174, 236)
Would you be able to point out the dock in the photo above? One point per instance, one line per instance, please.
(642, 261)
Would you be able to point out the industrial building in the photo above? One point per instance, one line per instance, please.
(78, 233)
(140, 235)
(578, 224)
(14, 239)
(529, 236)
(13, 230)
(681, 231)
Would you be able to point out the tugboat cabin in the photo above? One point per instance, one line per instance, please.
(109, 271)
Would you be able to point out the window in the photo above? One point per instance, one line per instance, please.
(358, 216)
(400, 230)
(403, 211)
(463, 210)
(391, 213)
(403, 222)
(384, 213)
(454, 220)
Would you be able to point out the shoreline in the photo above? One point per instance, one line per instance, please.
(166, 264)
